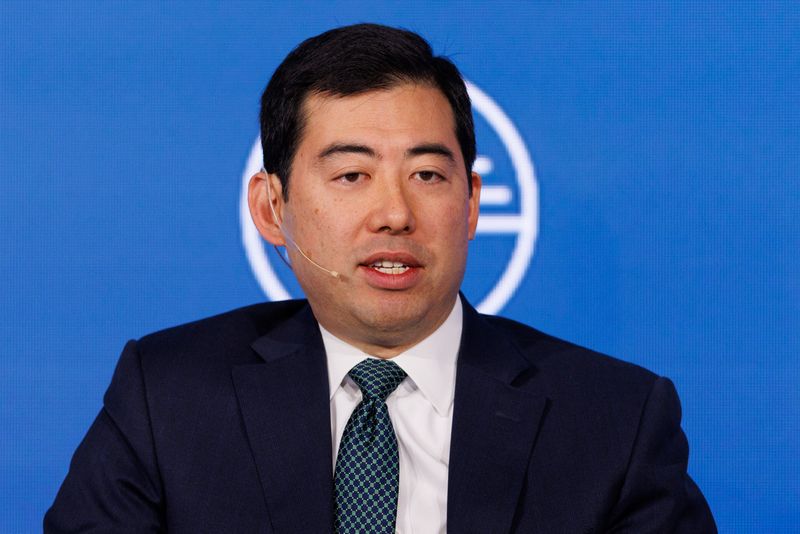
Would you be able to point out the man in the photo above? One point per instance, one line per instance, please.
(385, 401)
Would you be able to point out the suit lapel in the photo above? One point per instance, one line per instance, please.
(494, 428)
(286, 411)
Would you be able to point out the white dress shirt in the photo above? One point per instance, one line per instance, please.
(421, 410)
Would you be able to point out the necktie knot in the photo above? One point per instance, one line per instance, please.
(377, 378)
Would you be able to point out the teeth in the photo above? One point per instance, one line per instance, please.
(387, 264)
(390, 267)
(392, 270)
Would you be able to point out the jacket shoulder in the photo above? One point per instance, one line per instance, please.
(226, 330)
(208, 348)
(610, 439)
(572, 366)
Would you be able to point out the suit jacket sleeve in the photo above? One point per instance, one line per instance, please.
(113, 482)
(658, 495)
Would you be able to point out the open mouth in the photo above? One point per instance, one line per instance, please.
(389, 267)
(392, 263)
(392, 270)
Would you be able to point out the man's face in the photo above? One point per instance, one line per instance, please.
(378, 193)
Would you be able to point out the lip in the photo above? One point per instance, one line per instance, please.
(400, 257)
(395, 282)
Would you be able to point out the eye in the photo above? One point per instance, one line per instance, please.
(351, 177)
(429, 176)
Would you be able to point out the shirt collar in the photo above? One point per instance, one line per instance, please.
(430, 364)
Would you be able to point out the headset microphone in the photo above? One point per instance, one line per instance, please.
(289, 237)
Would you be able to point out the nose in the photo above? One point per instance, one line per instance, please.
(392, 210)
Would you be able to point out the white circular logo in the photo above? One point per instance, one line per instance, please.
(509, 213)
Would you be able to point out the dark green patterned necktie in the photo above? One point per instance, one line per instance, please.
(367, 471)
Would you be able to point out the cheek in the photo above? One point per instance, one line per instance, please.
(334, 225)
(450, 222)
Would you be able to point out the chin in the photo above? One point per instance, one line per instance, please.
(393, 320)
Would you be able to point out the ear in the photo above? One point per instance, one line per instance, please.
(474, 203)
(266, 200)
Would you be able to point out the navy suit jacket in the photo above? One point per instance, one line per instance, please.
(223, 425)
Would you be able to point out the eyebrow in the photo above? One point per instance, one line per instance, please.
(431, 148)
(346, 148)
(418, 150)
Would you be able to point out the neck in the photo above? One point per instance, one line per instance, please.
(385, 343)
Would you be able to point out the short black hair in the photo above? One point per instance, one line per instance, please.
(348, 61)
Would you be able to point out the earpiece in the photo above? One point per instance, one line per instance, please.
(288, 237)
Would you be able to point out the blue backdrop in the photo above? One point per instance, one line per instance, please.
(660, 225)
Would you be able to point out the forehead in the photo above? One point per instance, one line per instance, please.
(400, 115)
